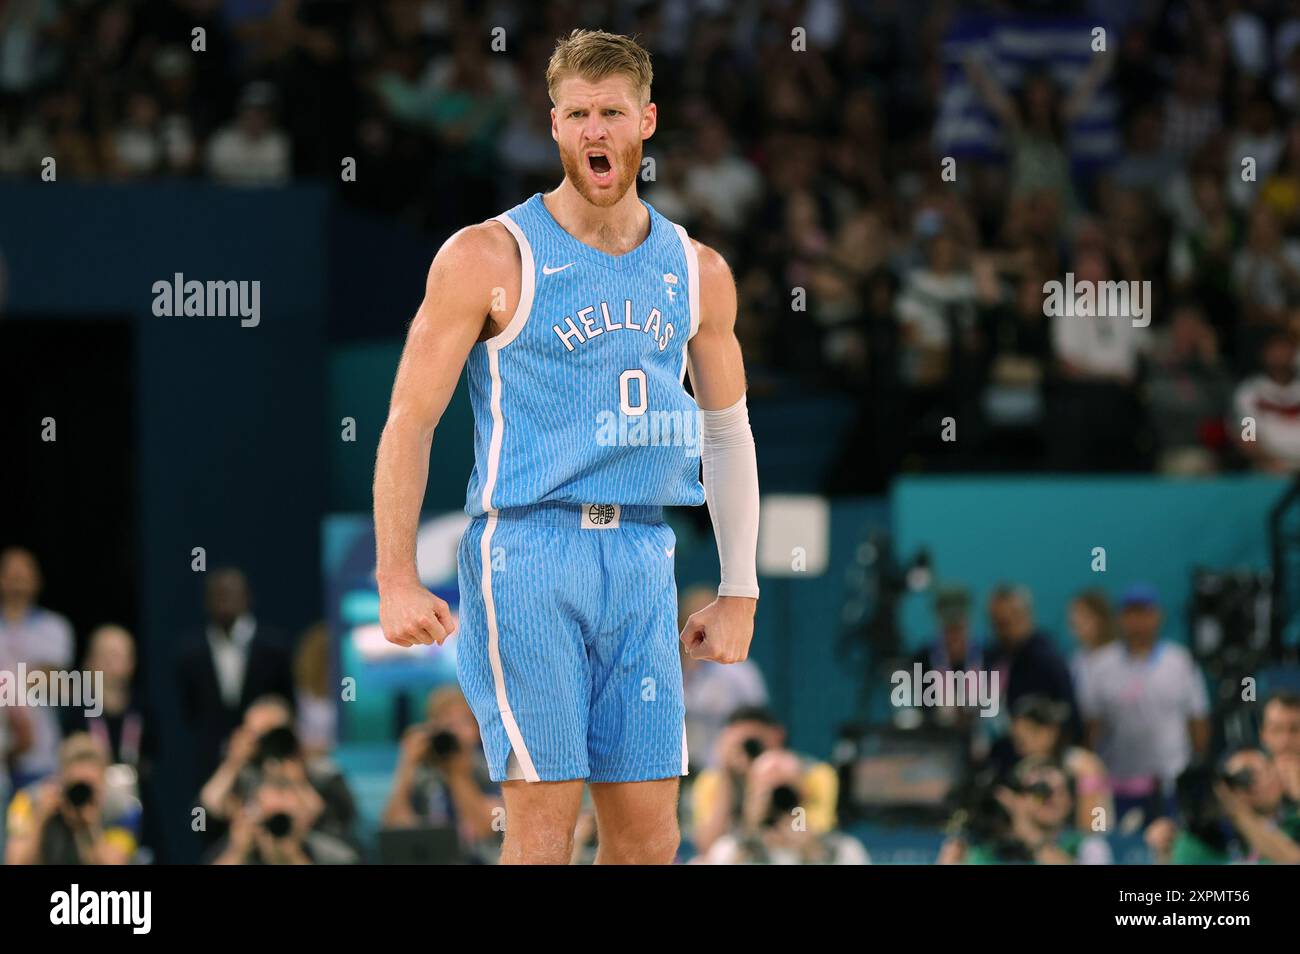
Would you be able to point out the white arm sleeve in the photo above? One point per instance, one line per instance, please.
(731, 490)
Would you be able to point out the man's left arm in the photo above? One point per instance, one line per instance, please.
(1262, 835)
(722, 630)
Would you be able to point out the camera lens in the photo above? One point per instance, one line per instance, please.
(444, 744)
(278, 825)
(78, 794)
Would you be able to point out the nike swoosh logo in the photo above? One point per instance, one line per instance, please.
(547, 270)
(669, 551)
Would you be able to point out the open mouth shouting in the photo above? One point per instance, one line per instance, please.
(600, 167)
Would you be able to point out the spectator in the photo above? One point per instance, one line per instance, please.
(1267, 424)
(1280, 192)
(1146, 165)
(936, 309)
(225, 667)
(15, 737)
(952, 650)
(251, 151)
(1147, 709)
(1028, 820)
(442, 778)
(1265, 275)
(1019, 353)
(1094, 413)
(774, 829)
(76, 817)
(1254, 801)
(1092, 624)
(1192, 110)
(1037, 125)
(1279, 736)
(1024, 657)
(36, 638)
(713, 691)
(721, 184)
(1256, 138)
(1188, 393)
(1203, 251)
(266, 742)
(1037, 732)
(121, 728)
(317, 705)
(718, 795)
(275, 827)
(136, 146)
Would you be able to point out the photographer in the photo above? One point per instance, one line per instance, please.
(442, 777)
(1239, 812)
(1252, 798)
(266, 738)
(1038, 732)
(76, 817)
(1028, 820)
(718, 796)
(1279, 736)
(774, 827)
(274, 827)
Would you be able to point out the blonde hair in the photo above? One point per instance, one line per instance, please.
(594, 55)
(81, 747)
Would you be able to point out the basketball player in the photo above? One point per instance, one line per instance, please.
(577, 315)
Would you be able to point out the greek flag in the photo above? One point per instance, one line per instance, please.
(1013, 48)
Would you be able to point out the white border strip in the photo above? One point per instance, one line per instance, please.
(494, 656)
(527, 286)
(692, 289)
(686, 760)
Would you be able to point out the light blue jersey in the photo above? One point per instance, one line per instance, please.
(581, 399)
(567, 647)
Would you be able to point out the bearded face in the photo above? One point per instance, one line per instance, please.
(600, 127)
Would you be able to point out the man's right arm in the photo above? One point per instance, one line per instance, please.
(458, 296)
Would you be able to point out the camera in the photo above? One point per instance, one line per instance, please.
(442, 745)
(1241, 780)
(278, 825)
(276, 745)
(783, 800)
(79, 794)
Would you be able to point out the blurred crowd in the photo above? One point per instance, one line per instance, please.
(864, 273)
(799, 139)
(259, 723)
(1116, 738)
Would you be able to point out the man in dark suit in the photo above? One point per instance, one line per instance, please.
(1028, 662)
(223, 668)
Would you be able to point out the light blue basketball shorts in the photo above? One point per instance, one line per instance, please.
(567, 642)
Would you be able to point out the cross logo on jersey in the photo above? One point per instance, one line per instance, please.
(669, 281)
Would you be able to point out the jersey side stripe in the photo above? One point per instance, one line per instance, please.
(494, 346)
(527, 284)
(494, 657)
(692, 289)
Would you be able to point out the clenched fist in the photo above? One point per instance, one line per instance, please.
(410, 614)
(722, 630)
